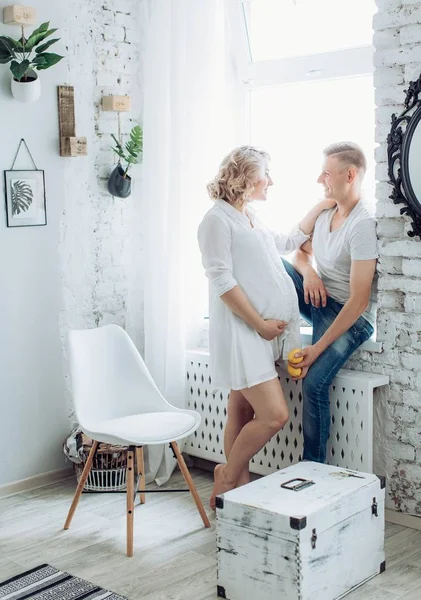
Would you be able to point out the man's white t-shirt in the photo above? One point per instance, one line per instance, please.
(333, 251)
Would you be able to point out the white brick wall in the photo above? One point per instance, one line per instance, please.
(96, 234)
(397, 61)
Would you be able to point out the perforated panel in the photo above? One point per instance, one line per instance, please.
(351, 433)
(351, 436)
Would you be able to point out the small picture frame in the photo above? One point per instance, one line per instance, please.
(25, 198)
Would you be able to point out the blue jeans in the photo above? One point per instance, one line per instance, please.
(316, 384)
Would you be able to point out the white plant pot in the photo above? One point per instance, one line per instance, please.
(27, 91)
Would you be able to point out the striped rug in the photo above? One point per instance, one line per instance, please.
(47, 583)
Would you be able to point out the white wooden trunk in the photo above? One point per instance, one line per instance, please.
(317, 543)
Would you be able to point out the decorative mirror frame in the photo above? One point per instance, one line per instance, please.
(398, 145)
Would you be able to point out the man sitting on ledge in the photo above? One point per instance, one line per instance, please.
(337, 298)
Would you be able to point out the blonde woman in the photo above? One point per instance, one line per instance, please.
(254, 316)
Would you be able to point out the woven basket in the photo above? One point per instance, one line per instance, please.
(108, 472)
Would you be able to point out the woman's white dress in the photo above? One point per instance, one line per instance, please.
(235, 253)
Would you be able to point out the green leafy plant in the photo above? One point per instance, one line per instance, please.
(132, 149)
(22, 197)
(26, 54)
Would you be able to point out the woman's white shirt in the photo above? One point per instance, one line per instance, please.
(236, 253)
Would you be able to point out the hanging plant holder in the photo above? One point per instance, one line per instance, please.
(118, 184)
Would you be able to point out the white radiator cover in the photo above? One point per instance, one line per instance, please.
(317, 543)
(351, 435)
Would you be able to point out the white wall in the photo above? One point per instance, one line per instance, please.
(73, 272)
(33, 419)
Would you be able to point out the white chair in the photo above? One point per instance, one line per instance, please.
(117, 402)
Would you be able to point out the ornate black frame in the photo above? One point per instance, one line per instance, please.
(398, 145)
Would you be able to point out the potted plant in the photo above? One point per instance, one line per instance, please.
(26, 56)
(119, 183)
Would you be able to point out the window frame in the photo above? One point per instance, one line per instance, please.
(351, 62)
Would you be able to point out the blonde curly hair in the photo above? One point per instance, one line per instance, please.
(238, 173)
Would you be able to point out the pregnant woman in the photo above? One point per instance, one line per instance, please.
(254, 317)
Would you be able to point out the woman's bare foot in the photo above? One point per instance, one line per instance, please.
(221, 484)
(243, 480)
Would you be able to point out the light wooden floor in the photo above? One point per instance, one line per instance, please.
(175, 557)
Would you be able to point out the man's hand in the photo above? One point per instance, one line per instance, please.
(310, 354)
(314, 289)
(271, 328)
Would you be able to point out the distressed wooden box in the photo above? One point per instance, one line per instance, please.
(318, 541)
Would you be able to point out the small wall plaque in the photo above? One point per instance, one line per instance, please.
(70, 144)
(75, 146)
(17, 14)
(116, 103)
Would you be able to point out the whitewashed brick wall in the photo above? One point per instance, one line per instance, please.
(104, 46)
(398, 420)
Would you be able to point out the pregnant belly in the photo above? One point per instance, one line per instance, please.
(272, 299)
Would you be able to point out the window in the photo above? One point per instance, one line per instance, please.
(294, 122)
(306, 70)
(286, 28)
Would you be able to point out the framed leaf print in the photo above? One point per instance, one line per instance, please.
(25, 198)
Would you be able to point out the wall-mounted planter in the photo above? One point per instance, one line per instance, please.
(27, 91)
(27, 55)
(118, 185)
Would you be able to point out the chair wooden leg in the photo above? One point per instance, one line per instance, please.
(189, 481)
(130, 500)
(81, 485)
(141, 472)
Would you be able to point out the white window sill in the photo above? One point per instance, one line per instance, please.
(371, 345)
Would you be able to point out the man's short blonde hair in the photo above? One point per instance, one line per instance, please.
(348, 153)
(238, 173)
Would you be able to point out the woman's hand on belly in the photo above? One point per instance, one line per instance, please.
(271, 328)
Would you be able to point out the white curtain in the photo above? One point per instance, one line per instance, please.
(188, 117)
